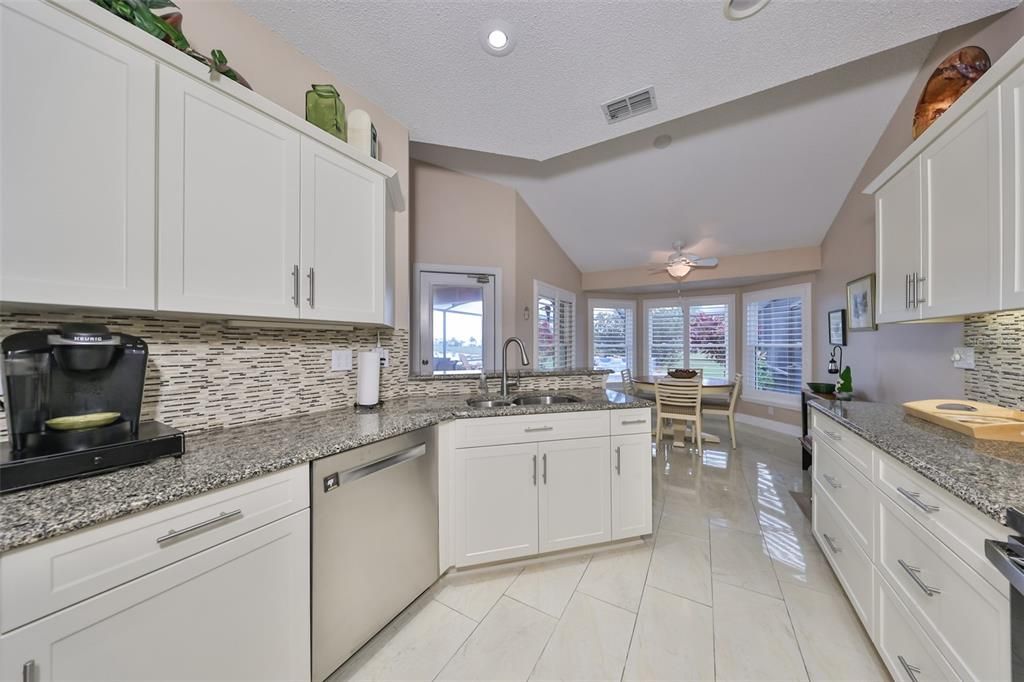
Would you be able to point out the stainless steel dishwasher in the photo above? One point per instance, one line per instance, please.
(374, 541)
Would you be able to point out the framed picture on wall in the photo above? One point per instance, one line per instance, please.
(837, 327)
(860, 304)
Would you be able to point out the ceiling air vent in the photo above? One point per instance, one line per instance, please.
(636, 103)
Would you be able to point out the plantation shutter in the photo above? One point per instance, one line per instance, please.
(666, 340)
(774, 345)
(612, 337)
(709, 339)
(555, 330)
(544, 342)
(566, 350)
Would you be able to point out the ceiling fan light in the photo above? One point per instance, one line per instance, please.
(679, 270)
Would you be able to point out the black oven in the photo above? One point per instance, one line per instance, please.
(1008, 557)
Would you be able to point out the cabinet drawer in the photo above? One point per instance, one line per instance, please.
(630, 421)
(530, 428)
(855, 449)
(959, 526)
(906, 650)
(852, 493)
(965, 616)
(851, 565)
(45, 577)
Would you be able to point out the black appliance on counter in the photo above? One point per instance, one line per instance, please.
(1008, 557)
(86, 373)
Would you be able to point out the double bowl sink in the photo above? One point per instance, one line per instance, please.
(522, 400)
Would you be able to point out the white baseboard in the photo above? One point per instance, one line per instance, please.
(770, 424)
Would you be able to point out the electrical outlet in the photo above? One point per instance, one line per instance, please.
(341, 360)
(963, 357)
(385, 357)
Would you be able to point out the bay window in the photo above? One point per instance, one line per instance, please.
(612, 334)
(694, 333)
(776, 344)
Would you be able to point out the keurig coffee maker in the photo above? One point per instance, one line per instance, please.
(73, 398)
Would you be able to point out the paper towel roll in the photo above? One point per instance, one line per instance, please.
(368, 379)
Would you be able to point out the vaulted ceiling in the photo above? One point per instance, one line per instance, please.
(423, 61)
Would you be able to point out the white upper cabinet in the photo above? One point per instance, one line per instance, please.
(898, 240)
(228, 205)
(1012, 92)
(77, 143)
(962, 221)
(344, 238)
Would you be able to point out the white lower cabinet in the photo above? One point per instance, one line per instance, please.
(236, 611)
(903, 646)
(550, 492)
(575, 493)
(495, 503)
(631, 489)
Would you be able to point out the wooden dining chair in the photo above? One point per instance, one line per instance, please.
(679, 400)
(728, 409)
(627, 381)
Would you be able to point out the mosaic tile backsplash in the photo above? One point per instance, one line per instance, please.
(203, 374)
(998, 341)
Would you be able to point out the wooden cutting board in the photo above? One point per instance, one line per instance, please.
(978, 420)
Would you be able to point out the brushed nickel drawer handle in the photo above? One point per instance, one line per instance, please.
(833, 435)
(916, 499)
(625, 422)
(544, 475)
(618, 460)
(295, 285)
(28, 671)
(220, 518)
(913, 572)
(912, 670)
(535, 469)
(831, 481)
(831, 544)
(534, 429)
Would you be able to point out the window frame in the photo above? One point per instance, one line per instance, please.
(626, 303)
(541, 288)
(685, 302)
(772, 398)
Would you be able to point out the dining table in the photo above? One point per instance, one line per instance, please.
(645, 386)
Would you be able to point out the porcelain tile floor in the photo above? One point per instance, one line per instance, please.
(731, 586)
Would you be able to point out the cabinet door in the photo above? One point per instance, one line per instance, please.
(575, 493)
(898, 243)
(962, 216)
(495, 503)
(631, 485)
(228, 207)
(1013, 190)
(343, 237)
(237, 611)
(77, 163)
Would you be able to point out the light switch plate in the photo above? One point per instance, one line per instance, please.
(963, 357)
(385, 357)
(341, 360)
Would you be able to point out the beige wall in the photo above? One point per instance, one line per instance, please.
(280, 72)
(539, 257)
(899, 362)
(463, 220)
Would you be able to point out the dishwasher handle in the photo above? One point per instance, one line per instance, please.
(374, 467)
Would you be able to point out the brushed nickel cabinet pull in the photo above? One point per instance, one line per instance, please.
(912, 670)
(312, 287)
(533, 429)
(918, 299)
(535, 469)
(831, 544)
(833, 435)
(220, 518)
(916, 499)
(913, 572)
(618, 460)
(295, 285)
(832, 481)
(28, 671)
(906, 291)
(633, 421)
(544, 476)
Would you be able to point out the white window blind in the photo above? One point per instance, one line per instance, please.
(775, 341)
(611, 335)
(554, 338)
(709, 339)
(666, 340)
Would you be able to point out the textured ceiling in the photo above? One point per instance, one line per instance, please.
(763, 173)
(422, 61)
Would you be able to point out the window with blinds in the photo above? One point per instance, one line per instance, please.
(611, 335)
(691, 333)
(775, 340)
(554, 337)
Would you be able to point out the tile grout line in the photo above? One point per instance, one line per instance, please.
(559, 621)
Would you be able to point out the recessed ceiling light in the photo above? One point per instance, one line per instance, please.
(496, 38)
(743, 9)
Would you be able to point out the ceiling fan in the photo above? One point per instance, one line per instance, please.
(680, 262)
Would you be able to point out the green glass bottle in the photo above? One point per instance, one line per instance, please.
(325, 110)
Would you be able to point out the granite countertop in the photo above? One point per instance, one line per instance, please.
(518, 372)
(220, 457)
(987, 474)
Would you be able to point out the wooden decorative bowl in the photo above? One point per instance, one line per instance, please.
(682, 373)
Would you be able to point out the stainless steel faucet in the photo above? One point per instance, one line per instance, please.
(523, 357)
